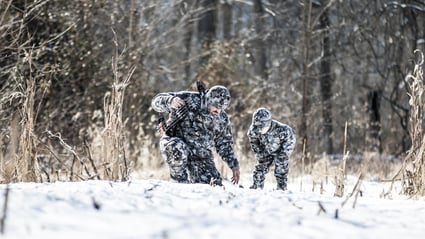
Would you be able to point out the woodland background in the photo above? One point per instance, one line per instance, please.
(77, 78)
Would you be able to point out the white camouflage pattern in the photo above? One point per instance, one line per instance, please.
(188, 148)
(275, 146)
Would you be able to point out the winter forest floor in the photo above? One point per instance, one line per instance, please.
(152, 208)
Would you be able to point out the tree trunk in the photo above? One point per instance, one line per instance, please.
(326, 87)
(188, 33)
(259, 48)
(226, 9)
(305, 71)
(373, 139)
(207, 26)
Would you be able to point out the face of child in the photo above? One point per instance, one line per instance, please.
(261, 126)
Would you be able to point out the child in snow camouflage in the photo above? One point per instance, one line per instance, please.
(199, 123)
(271, 142)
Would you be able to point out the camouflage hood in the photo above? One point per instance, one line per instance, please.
(218, 96)
(261, 119)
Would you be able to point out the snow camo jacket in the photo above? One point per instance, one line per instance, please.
(198, 128)
(279, 141)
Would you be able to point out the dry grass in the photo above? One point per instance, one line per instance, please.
(325, 170)
(26, 158)
(115, 165)
(414, 163)
(341, 175)
(27, 166)
(20, 164)
(9, 158)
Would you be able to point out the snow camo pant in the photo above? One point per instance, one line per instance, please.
(186, 167)
(281, 171)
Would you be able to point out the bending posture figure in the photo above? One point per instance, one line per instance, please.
(272, 142)
(197, 122)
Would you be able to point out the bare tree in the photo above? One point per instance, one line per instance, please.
(306, 72)
(326, 83)
(258, 45)
(225, 9)
(207, 25)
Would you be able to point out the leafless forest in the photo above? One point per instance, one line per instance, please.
(77, 78)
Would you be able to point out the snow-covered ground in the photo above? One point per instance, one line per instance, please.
(161, 209)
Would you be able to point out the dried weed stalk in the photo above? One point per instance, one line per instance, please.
(76, 158)
(340, 177)
(26, 163)
(8, 160)
(115, 164)
(414, 162)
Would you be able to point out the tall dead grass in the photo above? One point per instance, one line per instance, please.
(27, 166)
(19, 164)
(27, 158)
(115, 165)
(414, 163)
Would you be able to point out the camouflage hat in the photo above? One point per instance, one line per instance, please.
(261, 114)
(261, 119)
(218, 96)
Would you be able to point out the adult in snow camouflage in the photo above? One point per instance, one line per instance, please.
(197, 122)
(272, 142)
